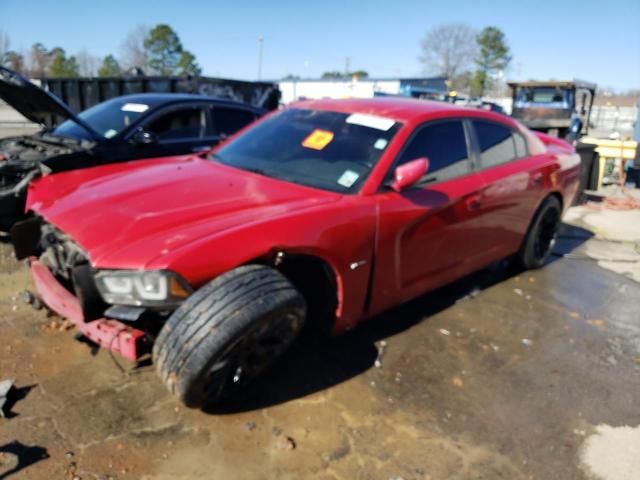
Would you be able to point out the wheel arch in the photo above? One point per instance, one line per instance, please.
(316, 278)
(555, 193)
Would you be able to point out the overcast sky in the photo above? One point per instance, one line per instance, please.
(593, 40)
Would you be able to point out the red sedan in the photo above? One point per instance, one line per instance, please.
(324, 213)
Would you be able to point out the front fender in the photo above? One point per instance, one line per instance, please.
(341, 234)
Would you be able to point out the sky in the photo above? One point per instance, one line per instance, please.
(593, 40)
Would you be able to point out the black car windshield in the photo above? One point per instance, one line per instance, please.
(328, 150)
(107, 118)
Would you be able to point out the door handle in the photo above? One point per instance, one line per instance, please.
(473, 202)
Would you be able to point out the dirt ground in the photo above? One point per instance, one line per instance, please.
(500, 375)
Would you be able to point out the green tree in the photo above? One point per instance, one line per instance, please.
(110, 67)
(359, 74)
(462, 81)
(336, 75)
(187, 64)
(61, 66)
(333, 75)
(164, 49)
(493, 56)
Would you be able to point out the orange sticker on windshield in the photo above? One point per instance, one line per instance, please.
(318, 139)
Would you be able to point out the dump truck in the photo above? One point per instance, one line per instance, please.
(562, 108)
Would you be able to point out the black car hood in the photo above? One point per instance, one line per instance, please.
(33, 102)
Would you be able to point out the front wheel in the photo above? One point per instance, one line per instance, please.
(541, 236)
(227, 333)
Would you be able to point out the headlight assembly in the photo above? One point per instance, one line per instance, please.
(155, 288)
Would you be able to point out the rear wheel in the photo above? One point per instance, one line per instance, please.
(227, 333)
(541, 237)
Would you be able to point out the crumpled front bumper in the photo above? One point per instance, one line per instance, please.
(129, 342)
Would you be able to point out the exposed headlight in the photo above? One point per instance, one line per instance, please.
(155, 288)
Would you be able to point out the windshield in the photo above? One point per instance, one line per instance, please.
(107, 118)
(327, 150)
(547, 96)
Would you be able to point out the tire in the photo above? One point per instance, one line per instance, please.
(541, 236)
(227, 333)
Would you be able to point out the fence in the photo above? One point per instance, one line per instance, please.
(611, 119)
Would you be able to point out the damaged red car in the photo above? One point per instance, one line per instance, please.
(321, 215)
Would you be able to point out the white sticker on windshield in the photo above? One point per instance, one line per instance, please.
(348, 178)
(135, 107)
(371, 121)
(380, 144)
(110, 133)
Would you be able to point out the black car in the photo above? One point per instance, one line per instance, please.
(120, 129)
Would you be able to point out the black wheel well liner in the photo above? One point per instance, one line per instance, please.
(556, 194)
(315, 280)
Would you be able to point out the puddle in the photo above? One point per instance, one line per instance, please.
(612, 453)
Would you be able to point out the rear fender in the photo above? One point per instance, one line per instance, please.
(555, 144)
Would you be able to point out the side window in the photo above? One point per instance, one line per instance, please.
(444, 144)
(180, 124)
(521, 145)
(227, 120)
(496, 143)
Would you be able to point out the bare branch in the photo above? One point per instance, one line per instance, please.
(133, 53)
(4, 46)
(448, 49)
(87, 63)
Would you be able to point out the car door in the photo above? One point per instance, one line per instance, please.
(176, 130)
(228, 119)
(426, 234)
(514, 187)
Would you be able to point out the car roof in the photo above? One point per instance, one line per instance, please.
(396, 108)
(157, 99)
(404, 110)
(554, 83)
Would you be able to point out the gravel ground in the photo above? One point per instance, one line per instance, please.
(500, 375)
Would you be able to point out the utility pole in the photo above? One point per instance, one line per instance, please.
(260, 44)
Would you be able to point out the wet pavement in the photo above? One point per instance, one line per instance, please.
(514, 375)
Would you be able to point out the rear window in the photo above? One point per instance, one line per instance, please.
(495, 142)
(521, 145)
(328, 150)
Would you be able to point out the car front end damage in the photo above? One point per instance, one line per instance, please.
(24, 159)
(119, 310)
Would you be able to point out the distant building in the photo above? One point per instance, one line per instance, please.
(434, 87)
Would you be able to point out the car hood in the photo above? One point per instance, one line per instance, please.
(127, 215)
(33, 102)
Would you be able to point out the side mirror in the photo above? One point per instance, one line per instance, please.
(144, 137)
(408, 174)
